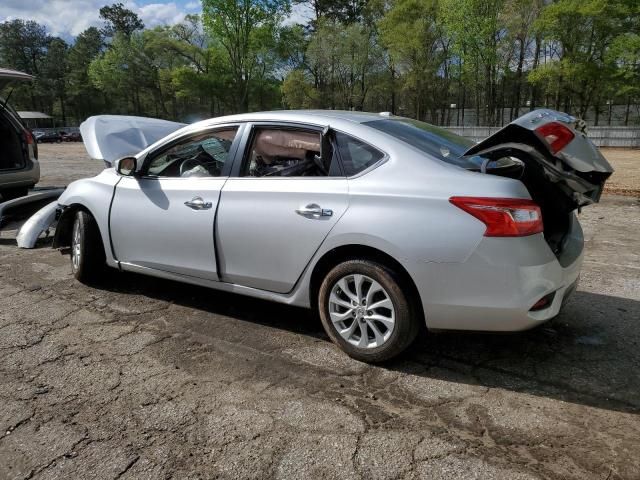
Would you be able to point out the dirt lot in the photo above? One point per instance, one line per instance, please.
(144, 378)
(626, 178)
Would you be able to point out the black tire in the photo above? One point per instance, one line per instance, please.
(407, 319)
(11, 193)
(90, 264)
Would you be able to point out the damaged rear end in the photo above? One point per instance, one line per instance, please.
(529, 258)
(550, 153)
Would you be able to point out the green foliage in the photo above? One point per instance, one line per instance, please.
(495, 58)
(298, 92)
(246, 29)
(119, 20)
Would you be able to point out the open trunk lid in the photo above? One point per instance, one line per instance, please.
(8, 76)
(557, 142)
(110, 137)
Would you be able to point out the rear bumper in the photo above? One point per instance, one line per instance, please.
(496, 287)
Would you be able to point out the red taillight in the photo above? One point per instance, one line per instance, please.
(543, 303)
(28, 138)
(556, 135)
(504, 217)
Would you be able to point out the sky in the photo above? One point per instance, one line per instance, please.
(67, 18)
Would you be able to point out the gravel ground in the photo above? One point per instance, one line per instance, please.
(144, 378)
(626, 178)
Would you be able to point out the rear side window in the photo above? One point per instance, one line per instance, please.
(434, 141)
(356, 155)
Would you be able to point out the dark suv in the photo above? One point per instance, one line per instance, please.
(19, 167)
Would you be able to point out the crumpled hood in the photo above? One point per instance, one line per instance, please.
(110, 137)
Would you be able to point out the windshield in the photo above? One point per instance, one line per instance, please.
(437, 142)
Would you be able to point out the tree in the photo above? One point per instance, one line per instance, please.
(298, 92)
(578, 34)
(478, 38)
(341, 58)
(23, 46)
(54, 72)
(126, 74)
(83, 98)
(119, 20)
(625, 52)
(412, 33)
(237, 25)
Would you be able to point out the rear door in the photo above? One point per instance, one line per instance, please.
(275, 212)
(559, 144)
(164, 218)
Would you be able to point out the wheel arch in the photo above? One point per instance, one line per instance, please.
(62, 237)
(342, 253)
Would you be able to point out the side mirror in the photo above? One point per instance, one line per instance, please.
(126, 166)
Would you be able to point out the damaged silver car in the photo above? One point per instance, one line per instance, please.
(382, 224)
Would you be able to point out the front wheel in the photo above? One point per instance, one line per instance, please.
(367, 310)
(87, 252)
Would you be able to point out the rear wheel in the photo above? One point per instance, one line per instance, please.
(367, 310)
(87, 251)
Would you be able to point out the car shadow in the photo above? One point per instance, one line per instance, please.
(588, 355)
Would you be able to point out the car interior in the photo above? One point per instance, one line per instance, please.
(285, 153)
(273, 152)
(12, 157)
(200, 156)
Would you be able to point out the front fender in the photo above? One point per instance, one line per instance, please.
(93, 195)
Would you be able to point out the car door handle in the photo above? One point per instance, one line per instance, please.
(315, 211)
(197, 203)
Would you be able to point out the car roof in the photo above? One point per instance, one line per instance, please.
(298, 115)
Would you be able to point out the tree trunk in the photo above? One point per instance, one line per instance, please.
(626, 112)
(518, 82)
(393, 88)
(536, 62)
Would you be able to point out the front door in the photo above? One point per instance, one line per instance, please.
(276, 213)
(164, 218)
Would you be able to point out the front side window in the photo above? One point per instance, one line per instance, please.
(289, 152)
(203, 155)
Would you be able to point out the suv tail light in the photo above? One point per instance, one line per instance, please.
(556, 135)
(504, 217)
(28, 137)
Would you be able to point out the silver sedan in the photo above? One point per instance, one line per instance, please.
(382, 224)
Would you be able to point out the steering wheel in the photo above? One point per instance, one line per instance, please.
(190, 163)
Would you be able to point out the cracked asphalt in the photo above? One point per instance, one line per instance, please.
(145, 378)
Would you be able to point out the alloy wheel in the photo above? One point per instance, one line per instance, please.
(76, 251)
(361, 310)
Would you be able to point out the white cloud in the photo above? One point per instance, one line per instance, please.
(156, 14)
(68, 18)
(61, 17)
(301, 13)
